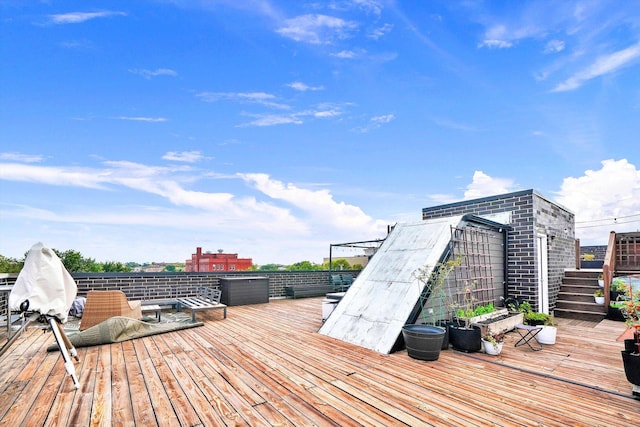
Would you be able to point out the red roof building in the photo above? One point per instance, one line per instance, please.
(209, 262)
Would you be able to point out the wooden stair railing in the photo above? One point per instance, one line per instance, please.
(609, 266)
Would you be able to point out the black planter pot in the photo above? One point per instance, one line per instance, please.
(613, 295)
(465, 339)
(614, 313)
(631, 346)
(445, 325)
(423, 342)
(631, 363)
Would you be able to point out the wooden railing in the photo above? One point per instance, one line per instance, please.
(609, 266)
(622, 257)
(628, 252)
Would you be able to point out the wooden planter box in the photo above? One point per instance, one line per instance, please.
(498, 321)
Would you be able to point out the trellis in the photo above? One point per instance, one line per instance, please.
(474, 279)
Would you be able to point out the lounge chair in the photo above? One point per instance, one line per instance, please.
(101, 305)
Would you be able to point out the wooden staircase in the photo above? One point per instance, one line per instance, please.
(575, 299)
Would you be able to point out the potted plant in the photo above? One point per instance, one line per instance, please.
(613, 311)
(463, 334)
(549, 331)
(601, 280)
(618, 288)
(631, 312)
(534, 318)
(425, 340)
(599, 296)
(493, 342)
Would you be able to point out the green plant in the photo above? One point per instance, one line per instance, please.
(598, 293)
(477, 311)
(630, 307)
(618, 285)
(537, 318)
(433, 296)
(616, 304)
(494, 338)
(525, 307)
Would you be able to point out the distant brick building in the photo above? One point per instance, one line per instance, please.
(210, 262)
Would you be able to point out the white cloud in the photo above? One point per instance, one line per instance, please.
(59, 176)
(321, 111)
(147, 74)
(302, 87)
(282, 218)
(20, 157)
(261, 98)
(380, 31)
(318, 204)
(483, 185)
(316, 29)
(495, 44)
(142, 119)
(602, 66)
(375, 122)
(387, 118)
(369, 6)
(554, 46)
(345, 54)
(183, 156)
(599, 196)
(79, 17)
(262, 120)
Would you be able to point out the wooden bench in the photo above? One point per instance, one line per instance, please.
(302, 291)
(205, 299)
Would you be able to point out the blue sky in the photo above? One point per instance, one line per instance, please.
(137, 131)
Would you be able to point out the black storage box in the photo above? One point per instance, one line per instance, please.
(244, 290)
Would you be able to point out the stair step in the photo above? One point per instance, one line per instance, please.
(578, 314)
(576, 296)
(586, 307)
(579, 281)
(590, 273)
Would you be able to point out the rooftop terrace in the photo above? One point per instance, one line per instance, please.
(266, 365)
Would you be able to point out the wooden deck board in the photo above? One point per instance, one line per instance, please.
(267, 365)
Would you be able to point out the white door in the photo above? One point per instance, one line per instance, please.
(543, 273)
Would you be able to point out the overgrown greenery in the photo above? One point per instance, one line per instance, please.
(477, 311)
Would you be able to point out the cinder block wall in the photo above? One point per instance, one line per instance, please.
(531, 214)
(147, 286)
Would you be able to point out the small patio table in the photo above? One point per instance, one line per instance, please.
(527, 334)
(152, 308)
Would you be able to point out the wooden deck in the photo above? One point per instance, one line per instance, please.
(266, 365)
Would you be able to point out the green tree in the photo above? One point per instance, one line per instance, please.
(10, 265)
(339, 264)
(269, 267)
(74, 262)
(114, 267)
(304, 266)
(170, 268)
